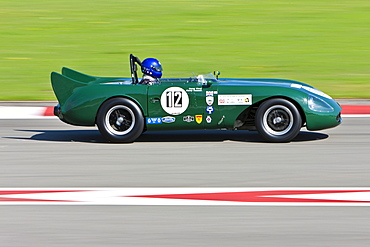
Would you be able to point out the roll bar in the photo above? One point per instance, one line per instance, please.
(133, 67)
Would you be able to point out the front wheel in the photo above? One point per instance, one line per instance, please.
(278, 120)
(120, 120)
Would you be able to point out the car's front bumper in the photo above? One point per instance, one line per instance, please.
(324, 120)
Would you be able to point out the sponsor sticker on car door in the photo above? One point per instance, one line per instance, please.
(234, 99)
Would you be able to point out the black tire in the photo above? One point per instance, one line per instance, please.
(278, 120)
(120, 120)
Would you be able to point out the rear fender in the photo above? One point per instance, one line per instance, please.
(143, 112)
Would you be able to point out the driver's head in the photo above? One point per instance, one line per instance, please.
(152, 67)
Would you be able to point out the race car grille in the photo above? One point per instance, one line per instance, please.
(339, 118)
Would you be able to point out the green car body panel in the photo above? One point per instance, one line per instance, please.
(212, 103)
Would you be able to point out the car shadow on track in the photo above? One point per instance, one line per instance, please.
(94, 136)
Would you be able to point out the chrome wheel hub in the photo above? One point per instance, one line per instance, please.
(278, 120)
(119, 120)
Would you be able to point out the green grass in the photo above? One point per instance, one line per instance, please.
(325, 43)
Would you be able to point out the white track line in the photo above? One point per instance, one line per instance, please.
(355, 115)
(272, 196)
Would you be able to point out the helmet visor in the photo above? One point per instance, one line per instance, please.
(157, 67)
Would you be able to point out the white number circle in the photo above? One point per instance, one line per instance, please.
(174, 100)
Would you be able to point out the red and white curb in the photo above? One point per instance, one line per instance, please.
(355, 110)
(188, 196)
(11, 112)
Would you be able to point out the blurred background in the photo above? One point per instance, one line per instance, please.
(322, 43)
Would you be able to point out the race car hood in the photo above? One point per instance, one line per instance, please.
(277, 83)
(261, 82)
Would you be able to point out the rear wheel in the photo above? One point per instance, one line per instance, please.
(120, 120)
(278, 120)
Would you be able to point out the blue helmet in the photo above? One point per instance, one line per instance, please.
(152, 67)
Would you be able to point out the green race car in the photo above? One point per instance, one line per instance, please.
(123, 108)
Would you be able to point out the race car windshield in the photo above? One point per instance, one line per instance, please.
(204, 78)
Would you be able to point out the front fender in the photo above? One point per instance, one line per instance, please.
(259, 94)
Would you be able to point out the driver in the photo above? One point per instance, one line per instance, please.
(152, 71)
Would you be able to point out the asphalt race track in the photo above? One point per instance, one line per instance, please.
(47, 153)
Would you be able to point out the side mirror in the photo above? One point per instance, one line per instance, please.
(216, 73)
